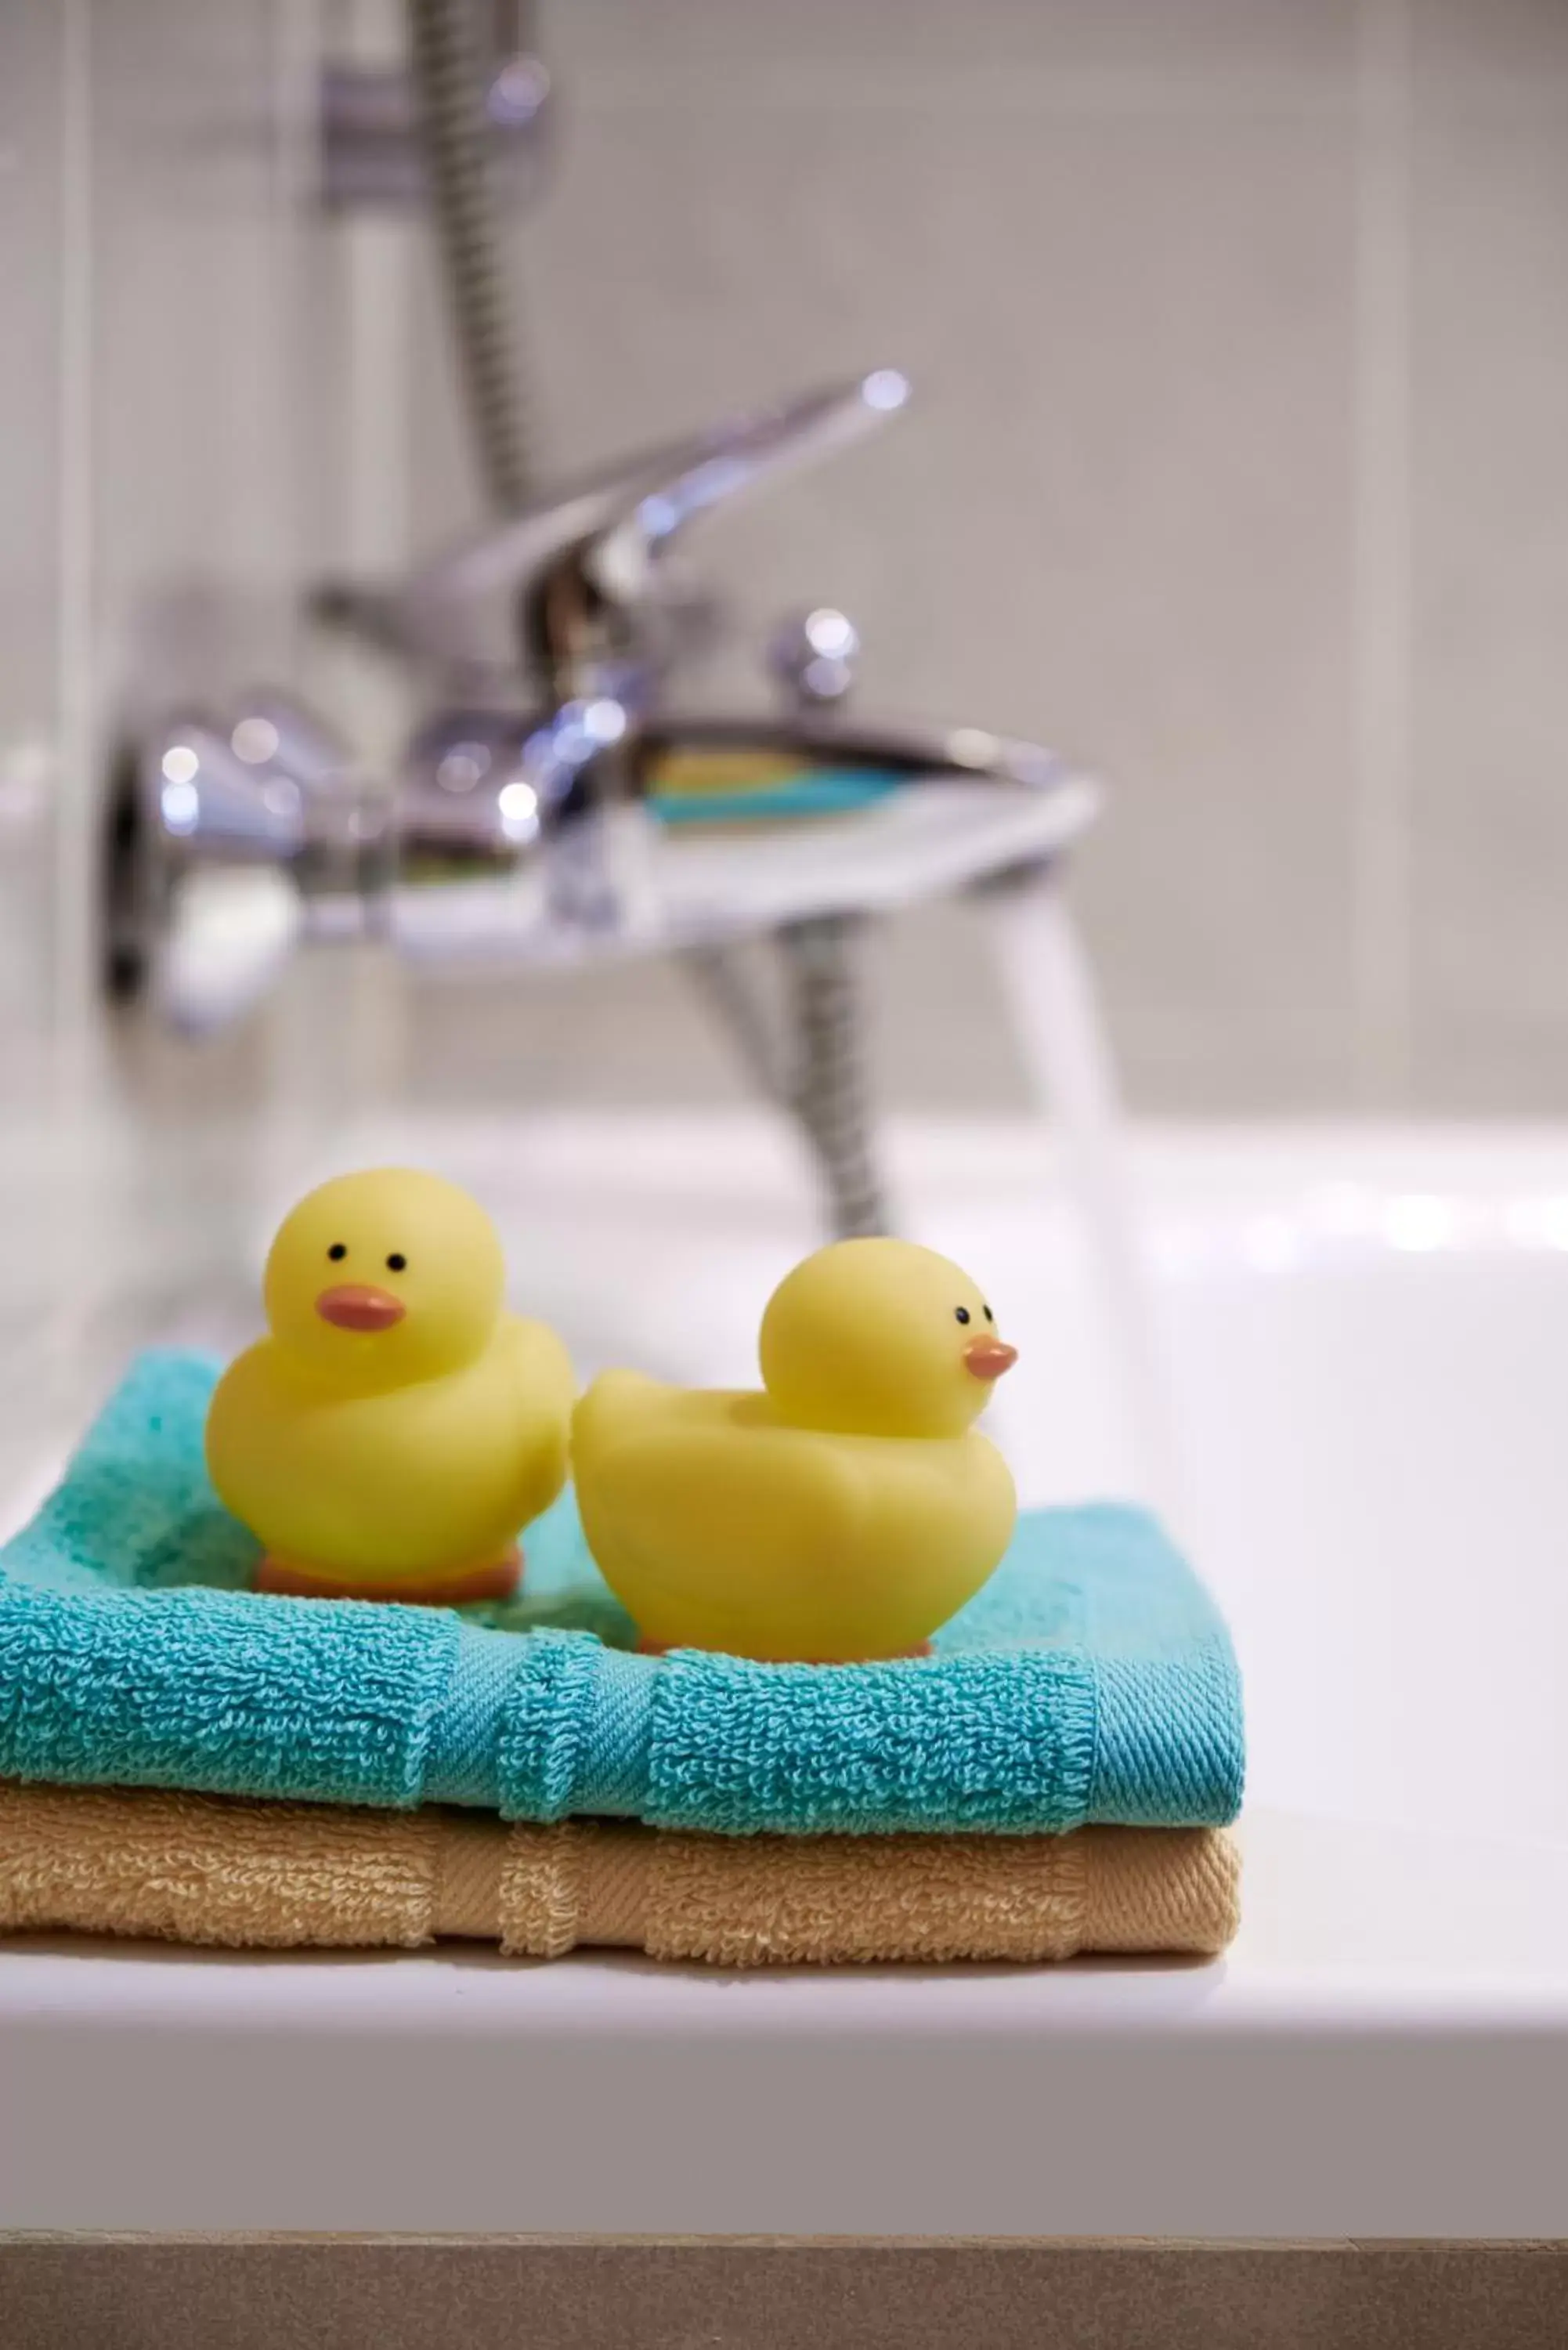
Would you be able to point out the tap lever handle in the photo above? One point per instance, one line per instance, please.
(607, 529)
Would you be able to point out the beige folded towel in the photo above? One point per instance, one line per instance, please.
(213, 1869)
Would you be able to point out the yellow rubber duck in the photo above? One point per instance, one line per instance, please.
(398, 1427)
(843, 1514)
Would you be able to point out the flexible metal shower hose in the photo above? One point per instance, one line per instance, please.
(452, 74)
(825, 1089)
(819, 1076)
(832, 1098)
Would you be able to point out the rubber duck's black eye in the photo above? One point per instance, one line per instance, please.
(961, 1313)
(395, 1261)
(337, 1250)
(989, 1315)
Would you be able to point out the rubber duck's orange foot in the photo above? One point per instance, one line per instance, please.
(285, 1579)
(646, 1648)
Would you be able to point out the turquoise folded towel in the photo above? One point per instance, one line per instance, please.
(1092, 1680)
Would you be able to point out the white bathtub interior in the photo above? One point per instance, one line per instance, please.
(1361, 1338)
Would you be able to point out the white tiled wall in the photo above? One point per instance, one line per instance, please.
(1490, 557)
(31, 61)
(1238, 468)
(151, 398)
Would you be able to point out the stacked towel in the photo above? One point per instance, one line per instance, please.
(1090, 1684)
(214, 1869)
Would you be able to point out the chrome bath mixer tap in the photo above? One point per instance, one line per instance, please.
(597, 820)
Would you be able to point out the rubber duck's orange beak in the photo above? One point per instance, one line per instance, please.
(355, 1307)
(988, 1357)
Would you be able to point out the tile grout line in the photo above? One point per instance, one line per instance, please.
(379, 260)
(1382, 780)
(365, 260)
(75, 897)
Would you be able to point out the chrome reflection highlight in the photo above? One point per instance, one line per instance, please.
(255, 741)
(181, 804)
(179, 763)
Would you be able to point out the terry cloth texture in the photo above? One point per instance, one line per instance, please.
(213, 1869)
(1091, 1682)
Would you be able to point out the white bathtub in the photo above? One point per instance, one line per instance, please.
(1363, 1343)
